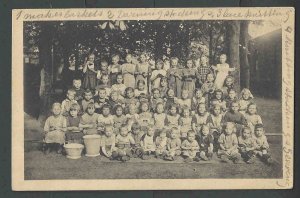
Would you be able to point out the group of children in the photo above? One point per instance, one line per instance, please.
(168, 111)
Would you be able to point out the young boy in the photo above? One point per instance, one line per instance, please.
(137, 135)
(66, 103)
(247, 145)
(87, 98)
(190, 147)
(101, 100)
(148, 143)
(77, 87)
(105, 118)
(155, 99)
(161, 144)
(205, 141)
(108, 142)
(173, 145)
(262, 145)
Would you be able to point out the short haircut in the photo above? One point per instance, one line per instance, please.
(71, 91)
(155, 89)
(75, 106)
(258, 126)
(56, 104)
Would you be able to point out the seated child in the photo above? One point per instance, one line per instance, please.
(114, 100)
(218, 96)
(228, 85)
(161, 144)
(104, 85)
(108, 142)
(100, 100)
(87, 98)
(230, 98)
(190, 147)
(262, 145)
(247, 145)
(163, 87)
(184, 101)
(137, 135)
(208, 88)
(205, 141)
(119, 118)
(88, 121)
(148, 143)
(245, 99)
(170, 99)
(141, 88)
(197, 99)
(173, 145)
(200, 118)
(228, 144)
(119, 86)
(78, 89)
(104, 119)
(132, 115)
(66, 103)
(145, 117)
(214, 120)
(54, 130)
(155, 99)
(172, 119)
(130, 99)
(185, 123)
(252, 117)
(159, 118)
(124, 141)
(73, 134)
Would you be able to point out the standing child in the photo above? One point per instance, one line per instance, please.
(200, 118)
(157, 74)
(197, 99)
(205, 141)
(203, 70)
(66, 103)
(161, 144)
(174, 77)
(228, 143)
(87, 98)
(148, 143)
(163, 87)
(173, 146)
(74, 134)
(214, 120)
(115, 68)
(77, 88)
(262, 145)
(105, 119)
(190, 148)
(108, 142)
(104, 70)
(155, 99)
(185, 122)
(142, 70)
(208, 88)
(252, 117)
(247, 145)
(119, 118)
(141, 88)
(228, 85)
(137, 135)
(245, 99)
(189, 78)
(90, 70)
(119, 86)
(172, 119)
(54, 130)
(88, 121)
(128, 71)
(222, 70)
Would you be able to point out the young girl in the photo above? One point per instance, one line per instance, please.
(115, 68)
(108, 142)
(148, 143)
(105, 119)
(218, 96)
(197, 99)
(170, 99)
(114, 100)
(174, 77)
(222, 70)
(208, 88)
(54, 130)
(74, 134)
(185, 122)
(88, 121)
(247, 145)
(157, 74)
(90, 70)
(262, 145)
(205, 141)
(128, 71)
(137, 135)
(119, 118)
(142, 70)
(190, 147)
(161, 144)
(155, 99)
(132, 115)
(129, 98)
(184, 101)
(189, 77)
(145, 117)
(200, 118)
(101, 100)
(172, 119)
(214, 120)
(104, 70)
(203, 70)
(228, 143)
(141, 88)
(163, 87)
(66, 103)
(245, 99)
(173, 146)
(159, 117)
(252, 117)
(87, 98)
(77, 88)
(228, 85)
(119, 86)
(105, 84)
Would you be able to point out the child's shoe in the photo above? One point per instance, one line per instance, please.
(209, 156)
(224, 159)
(197, 159)
(236, 160)
(202, 155)
(250, 160)
(169, 158)
(188, 160)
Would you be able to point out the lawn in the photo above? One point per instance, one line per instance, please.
(53, 166)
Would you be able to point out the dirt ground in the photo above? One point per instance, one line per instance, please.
(53, 166)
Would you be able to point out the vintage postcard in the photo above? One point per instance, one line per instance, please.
(152, 98)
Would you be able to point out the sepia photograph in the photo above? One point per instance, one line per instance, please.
(146, 99)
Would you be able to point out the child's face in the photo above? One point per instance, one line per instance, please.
(70, 95)
(219, 95)
(191, 137)
(189, 64)
(213, 102)
(115, 60)
(143, 58)
(205, 130)
(229, 81)
(163, 134)
(73, 112)
(102, 94)
(124, 131)
(222, 59)
(173, 111)
(184, 94)
(119, 111)
(88, 96)
(186, 113)
(132, 110)
(234, 107)
(91, 58)
(198, 94)
(174, 63)
(108, 132)
(163, 83)
(56, 110)
(246, 96)
(160, 109)
(173, 135)
(104, 66)
(141, 86)
(229, 129)
(252, 109)
(128, 58)
(144, 107)
(77, 84)
(259, 132)
(90, 110)
(114, 96)
(232, 94)
(150, 132)
(156, 94)
(105, 80)
(171, 93)
(135, 130)
(105, 111)
(119, 79)
(159, 66)
(246, 133)
(210, 78)
(201, 109)
(129, 93)
(203, 60)
(217, 110)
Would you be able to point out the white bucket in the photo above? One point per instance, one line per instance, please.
(92, 145)
(73, 150)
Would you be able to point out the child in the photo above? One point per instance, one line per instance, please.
(105, 84)
(172, 119)
(222, 70)
(108, 142)
(228, 84)
(66, 103)
(87, 98)
(101, 100)
(105, 118)
(145, 117)
(228, 143)
(208, 88)
(163, 87)
(247, 145)
(132, 115)
(218, 96)
(148, 143)
(190, 148)
(185, 122)
(90, 70)
(157, 74)
(54, 130)
(189, 78)
(174, 77)
(104, 70)
(200, 118)
(203, 70)
(214, 120)
(115, 68)
(184, 101)
(119, 118)
(252, 117)
(262, 145)
(141, 88)
(129, 98)
(245, 99)
(137, 135)
(77, 88)
(88, 121)
(233, 115)
(142, 70)
(159, 117)
(230, 98)
(173, 146)
(114, 100)
(128, 71)
(74, 134)
(161, 144)
(155, 99)
(205, 141)
(124, 141)
(119, 86)
(197, 99)
(170, 99)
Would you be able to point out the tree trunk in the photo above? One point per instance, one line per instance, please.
(233, 37)
(245, 67)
